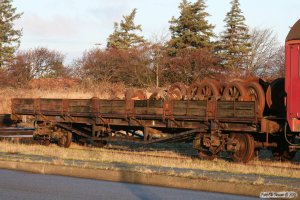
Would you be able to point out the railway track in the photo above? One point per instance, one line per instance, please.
(183, 157)
(182, 152)
(15, 132)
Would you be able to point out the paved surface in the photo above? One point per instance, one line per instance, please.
(212, 175)
(19, 185)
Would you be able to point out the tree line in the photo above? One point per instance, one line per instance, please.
(192, 52)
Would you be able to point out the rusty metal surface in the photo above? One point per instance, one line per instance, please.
(245, 151)
(102, 120)
(135, 95)
(177, 91)
(205, 90)
(99, 121)
(270, 126)
(12, 131)
(275, 97)
(145, 109)
(110, 116)
(255, 92)
(236, 109)
(235, 91)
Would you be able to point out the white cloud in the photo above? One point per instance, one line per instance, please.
(56, 26)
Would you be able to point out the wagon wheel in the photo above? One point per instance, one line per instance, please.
(275, 96)
(222, 87)
(246, 148)
(206, 90)
(206, 155)
(237, 80)
(192, 91)
(209, 89)
(235, 91)
(275, 87)
(177, 91)
(65, 140)
(256, 93)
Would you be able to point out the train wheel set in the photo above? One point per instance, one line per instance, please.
(208, 89)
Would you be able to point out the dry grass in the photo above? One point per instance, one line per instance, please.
(7, 94)
(150, 159)
(259, 181)
(103, 90)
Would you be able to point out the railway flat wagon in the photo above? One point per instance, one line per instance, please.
(214, 126)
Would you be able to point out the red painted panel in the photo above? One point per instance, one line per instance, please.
(292, 81)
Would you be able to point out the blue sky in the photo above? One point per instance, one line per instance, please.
(74, 26)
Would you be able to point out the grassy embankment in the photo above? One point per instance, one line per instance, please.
(151, 158)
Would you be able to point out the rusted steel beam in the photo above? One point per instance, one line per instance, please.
(16, 132)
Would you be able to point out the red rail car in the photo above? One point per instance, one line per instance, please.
(215, 117)
(292, 78)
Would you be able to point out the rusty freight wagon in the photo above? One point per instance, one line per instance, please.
(145, 121)
(238, 117)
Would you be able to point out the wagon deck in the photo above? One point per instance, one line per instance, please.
(82, 110)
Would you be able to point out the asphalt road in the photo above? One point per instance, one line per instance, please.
(19, 185)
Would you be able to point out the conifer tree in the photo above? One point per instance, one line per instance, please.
(191, 29)
(9, 35)
(124, 35)
(234, 45)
